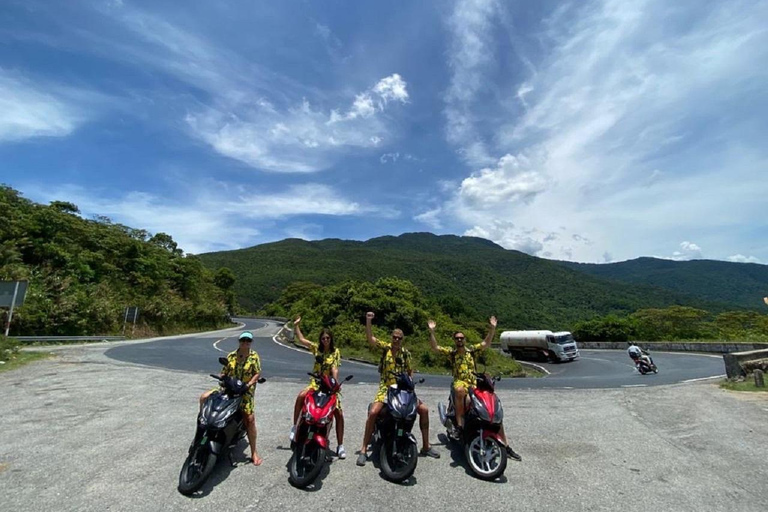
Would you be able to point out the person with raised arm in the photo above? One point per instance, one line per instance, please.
(462, 358)
(394, 359)
(327, 362)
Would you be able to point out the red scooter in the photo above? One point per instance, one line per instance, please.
(483, 446)
(310, 444)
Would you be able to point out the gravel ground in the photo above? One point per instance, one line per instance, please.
(85, 432)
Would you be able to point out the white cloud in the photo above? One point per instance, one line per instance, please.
(688, 251)
(31, 110)
(513, 181)
(391, 88)
(740, 258)
(431, 218)
(471, 55)
(508, 236)
(301, 139)
(389, 157)
(632, 108)
(213, 216)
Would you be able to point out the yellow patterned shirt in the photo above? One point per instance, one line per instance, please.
(329, 362)
(401, 362)
(244, 370)
(463, 364)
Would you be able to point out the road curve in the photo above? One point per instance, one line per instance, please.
(594, 370)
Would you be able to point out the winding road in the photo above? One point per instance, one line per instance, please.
(594, 370)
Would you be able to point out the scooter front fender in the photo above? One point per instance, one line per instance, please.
(411, 437)
(492, 434)
(321, 441)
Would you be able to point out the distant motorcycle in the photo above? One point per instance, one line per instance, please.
(398, 450)
(644, 367)
(219, 427)
(310, 444)
(483, 447)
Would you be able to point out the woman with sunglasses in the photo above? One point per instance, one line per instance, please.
(244, 364)
(327, 362)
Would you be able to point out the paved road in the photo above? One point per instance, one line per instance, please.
(86, 432)
(596, 368)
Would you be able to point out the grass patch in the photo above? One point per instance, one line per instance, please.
(20, 359)
(747, 385)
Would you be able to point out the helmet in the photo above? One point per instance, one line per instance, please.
(246, 335)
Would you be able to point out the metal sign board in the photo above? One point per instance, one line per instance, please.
(131, 314)
(8, 289)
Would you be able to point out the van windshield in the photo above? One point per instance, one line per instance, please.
(565, 339)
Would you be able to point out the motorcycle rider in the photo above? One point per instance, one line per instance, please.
(638, 354)
(327, 362)
(394, 358)
(244, 364)
(462, 359)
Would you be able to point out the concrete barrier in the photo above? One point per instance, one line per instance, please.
(722, 347)
(734, 361)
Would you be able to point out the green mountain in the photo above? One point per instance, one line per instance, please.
(466, 275)
(740, 284)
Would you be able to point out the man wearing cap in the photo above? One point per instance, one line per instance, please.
(244, 364)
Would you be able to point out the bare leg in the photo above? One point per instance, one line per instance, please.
(339, 426)
(369, 423)
(298, 405)
(423, 411)
(250, 425)
(460, 405)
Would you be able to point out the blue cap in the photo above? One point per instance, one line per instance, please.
(246, 336)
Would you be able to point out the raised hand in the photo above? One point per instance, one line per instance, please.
(492, 321)
(369, 315)
(431, 324)
(296, 322)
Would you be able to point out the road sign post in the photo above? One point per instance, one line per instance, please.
(12, 293)
(131, 312)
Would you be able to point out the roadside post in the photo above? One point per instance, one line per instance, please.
(12, 293)
(131, 312)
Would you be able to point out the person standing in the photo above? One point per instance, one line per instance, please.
(244, 364)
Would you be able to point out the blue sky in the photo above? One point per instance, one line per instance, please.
(597, 130)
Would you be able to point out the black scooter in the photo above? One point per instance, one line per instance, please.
(398, 451)
(219, 427)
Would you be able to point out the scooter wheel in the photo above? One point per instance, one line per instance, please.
(305, 464)
(196, 469)
(398, 462)
(486, 457)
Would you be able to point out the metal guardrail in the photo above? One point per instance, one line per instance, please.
(67, 338)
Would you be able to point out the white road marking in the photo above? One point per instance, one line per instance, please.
(216, 344)
(705, 378)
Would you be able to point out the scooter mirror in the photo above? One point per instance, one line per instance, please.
(223, 360)
(348, 377)
(262, 380)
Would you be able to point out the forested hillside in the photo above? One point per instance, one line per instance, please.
(83, 273)
(740, 284)
(467, 276)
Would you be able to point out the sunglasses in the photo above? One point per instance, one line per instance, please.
(395, 337)
(245, 340)
(323, 338)
(459, 338)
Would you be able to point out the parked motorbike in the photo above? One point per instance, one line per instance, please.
(310, 444)
(219, 428)
(643, 367)
(398, 451)
(483, 447)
